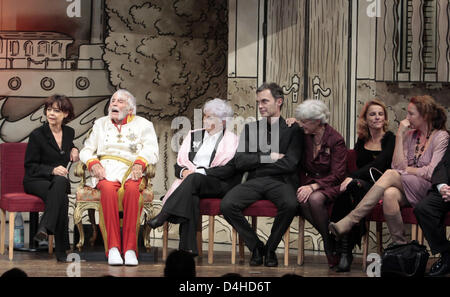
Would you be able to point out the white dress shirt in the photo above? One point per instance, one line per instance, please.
(203, 156)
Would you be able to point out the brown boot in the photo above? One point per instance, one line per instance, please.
(363, 208)
(395, 226)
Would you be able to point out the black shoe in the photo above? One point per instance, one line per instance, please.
(346, 259)
(41, 235)
(330, 252)
(158, 220)
(345, 263)
(62, 259)
(257, 256)
(271, 259)
(440, 267)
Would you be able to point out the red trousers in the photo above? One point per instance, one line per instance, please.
(132, 208)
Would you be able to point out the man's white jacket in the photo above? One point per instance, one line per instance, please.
(134, 140)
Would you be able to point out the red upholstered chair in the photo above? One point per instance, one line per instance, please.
(261, 208)
(12, 196)
(351, 166)
(208, 207)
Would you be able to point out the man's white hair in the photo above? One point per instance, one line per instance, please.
(130, 98)
(312, 110)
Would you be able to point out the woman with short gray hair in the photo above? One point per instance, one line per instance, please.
(323, 166)
(312, 110)
(219, 108)
(204, 169)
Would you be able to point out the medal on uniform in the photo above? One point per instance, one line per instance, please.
(133, 148)
(132, 137)
(119, 136)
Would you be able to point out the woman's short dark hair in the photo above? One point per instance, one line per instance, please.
(64, 105)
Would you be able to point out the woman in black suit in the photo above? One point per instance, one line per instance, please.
(49, 151)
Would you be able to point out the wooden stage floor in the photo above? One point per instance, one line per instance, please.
(41, 264)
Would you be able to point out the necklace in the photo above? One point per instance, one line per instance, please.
(119, 136)
(419, 149)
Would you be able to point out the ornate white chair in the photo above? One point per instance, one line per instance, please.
(88, 198)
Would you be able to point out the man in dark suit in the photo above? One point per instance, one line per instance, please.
(431, 212)
(269, 151)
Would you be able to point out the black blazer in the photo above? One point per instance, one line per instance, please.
(226, 173)
(43, 154)
(441, 174)
(251, 151)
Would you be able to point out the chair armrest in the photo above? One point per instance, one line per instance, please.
(80, 171)
(147, 178)
(146, 183)
(150, 171)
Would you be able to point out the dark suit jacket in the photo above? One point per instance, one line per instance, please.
(43, 154)
(226, 173)
(253, 152)
(441, 174)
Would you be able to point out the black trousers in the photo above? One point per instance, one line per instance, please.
(430, 213)
(243, 195)
(183, 205)
(55, 218)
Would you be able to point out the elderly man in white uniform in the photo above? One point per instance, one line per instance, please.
(118, 150)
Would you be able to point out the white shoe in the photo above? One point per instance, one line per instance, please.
(114, 257)
(130, 258)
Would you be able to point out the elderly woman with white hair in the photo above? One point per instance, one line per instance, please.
(204, 169)
(323, 166)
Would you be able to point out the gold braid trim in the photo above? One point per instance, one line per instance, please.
(120, 159)
(121, 190)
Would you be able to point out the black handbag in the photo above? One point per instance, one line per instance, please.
(404, 260)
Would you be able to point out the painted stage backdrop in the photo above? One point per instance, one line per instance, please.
(171, 55)
(174, 55)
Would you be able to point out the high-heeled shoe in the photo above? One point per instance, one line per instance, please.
(158, 220)
(330, 252)
(333, 260)
(41, 234)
